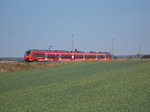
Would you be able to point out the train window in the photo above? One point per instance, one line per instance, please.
(93, 56)
(86, 56)
(34, 54)
(28, 53)
(78, 56)
(38, 55)
(90, 56)
(66, 56)
(108, 55)
(53, 56)
(101, 56)
(81, 56)
(42, 55)
(69, 56)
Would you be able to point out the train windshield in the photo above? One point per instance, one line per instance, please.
(28, 53)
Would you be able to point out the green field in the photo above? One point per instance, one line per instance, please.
(111, 86)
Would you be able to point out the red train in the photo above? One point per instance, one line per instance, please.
(56, 55)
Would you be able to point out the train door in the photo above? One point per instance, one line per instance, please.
(46, 57)
(59, 57)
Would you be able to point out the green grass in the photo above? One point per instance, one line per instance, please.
(112, 86)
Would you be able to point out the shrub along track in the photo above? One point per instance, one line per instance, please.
(9, 66)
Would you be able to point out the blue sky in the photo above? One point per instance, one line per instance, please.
(36, 24)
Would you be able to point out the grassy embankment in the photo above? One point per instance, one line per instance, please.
(9, 66)
(113, 86)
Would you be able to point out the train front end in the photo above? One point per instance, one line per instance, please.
(28, 56)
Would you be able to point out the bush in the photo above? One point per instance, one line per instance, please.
(146, 56)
